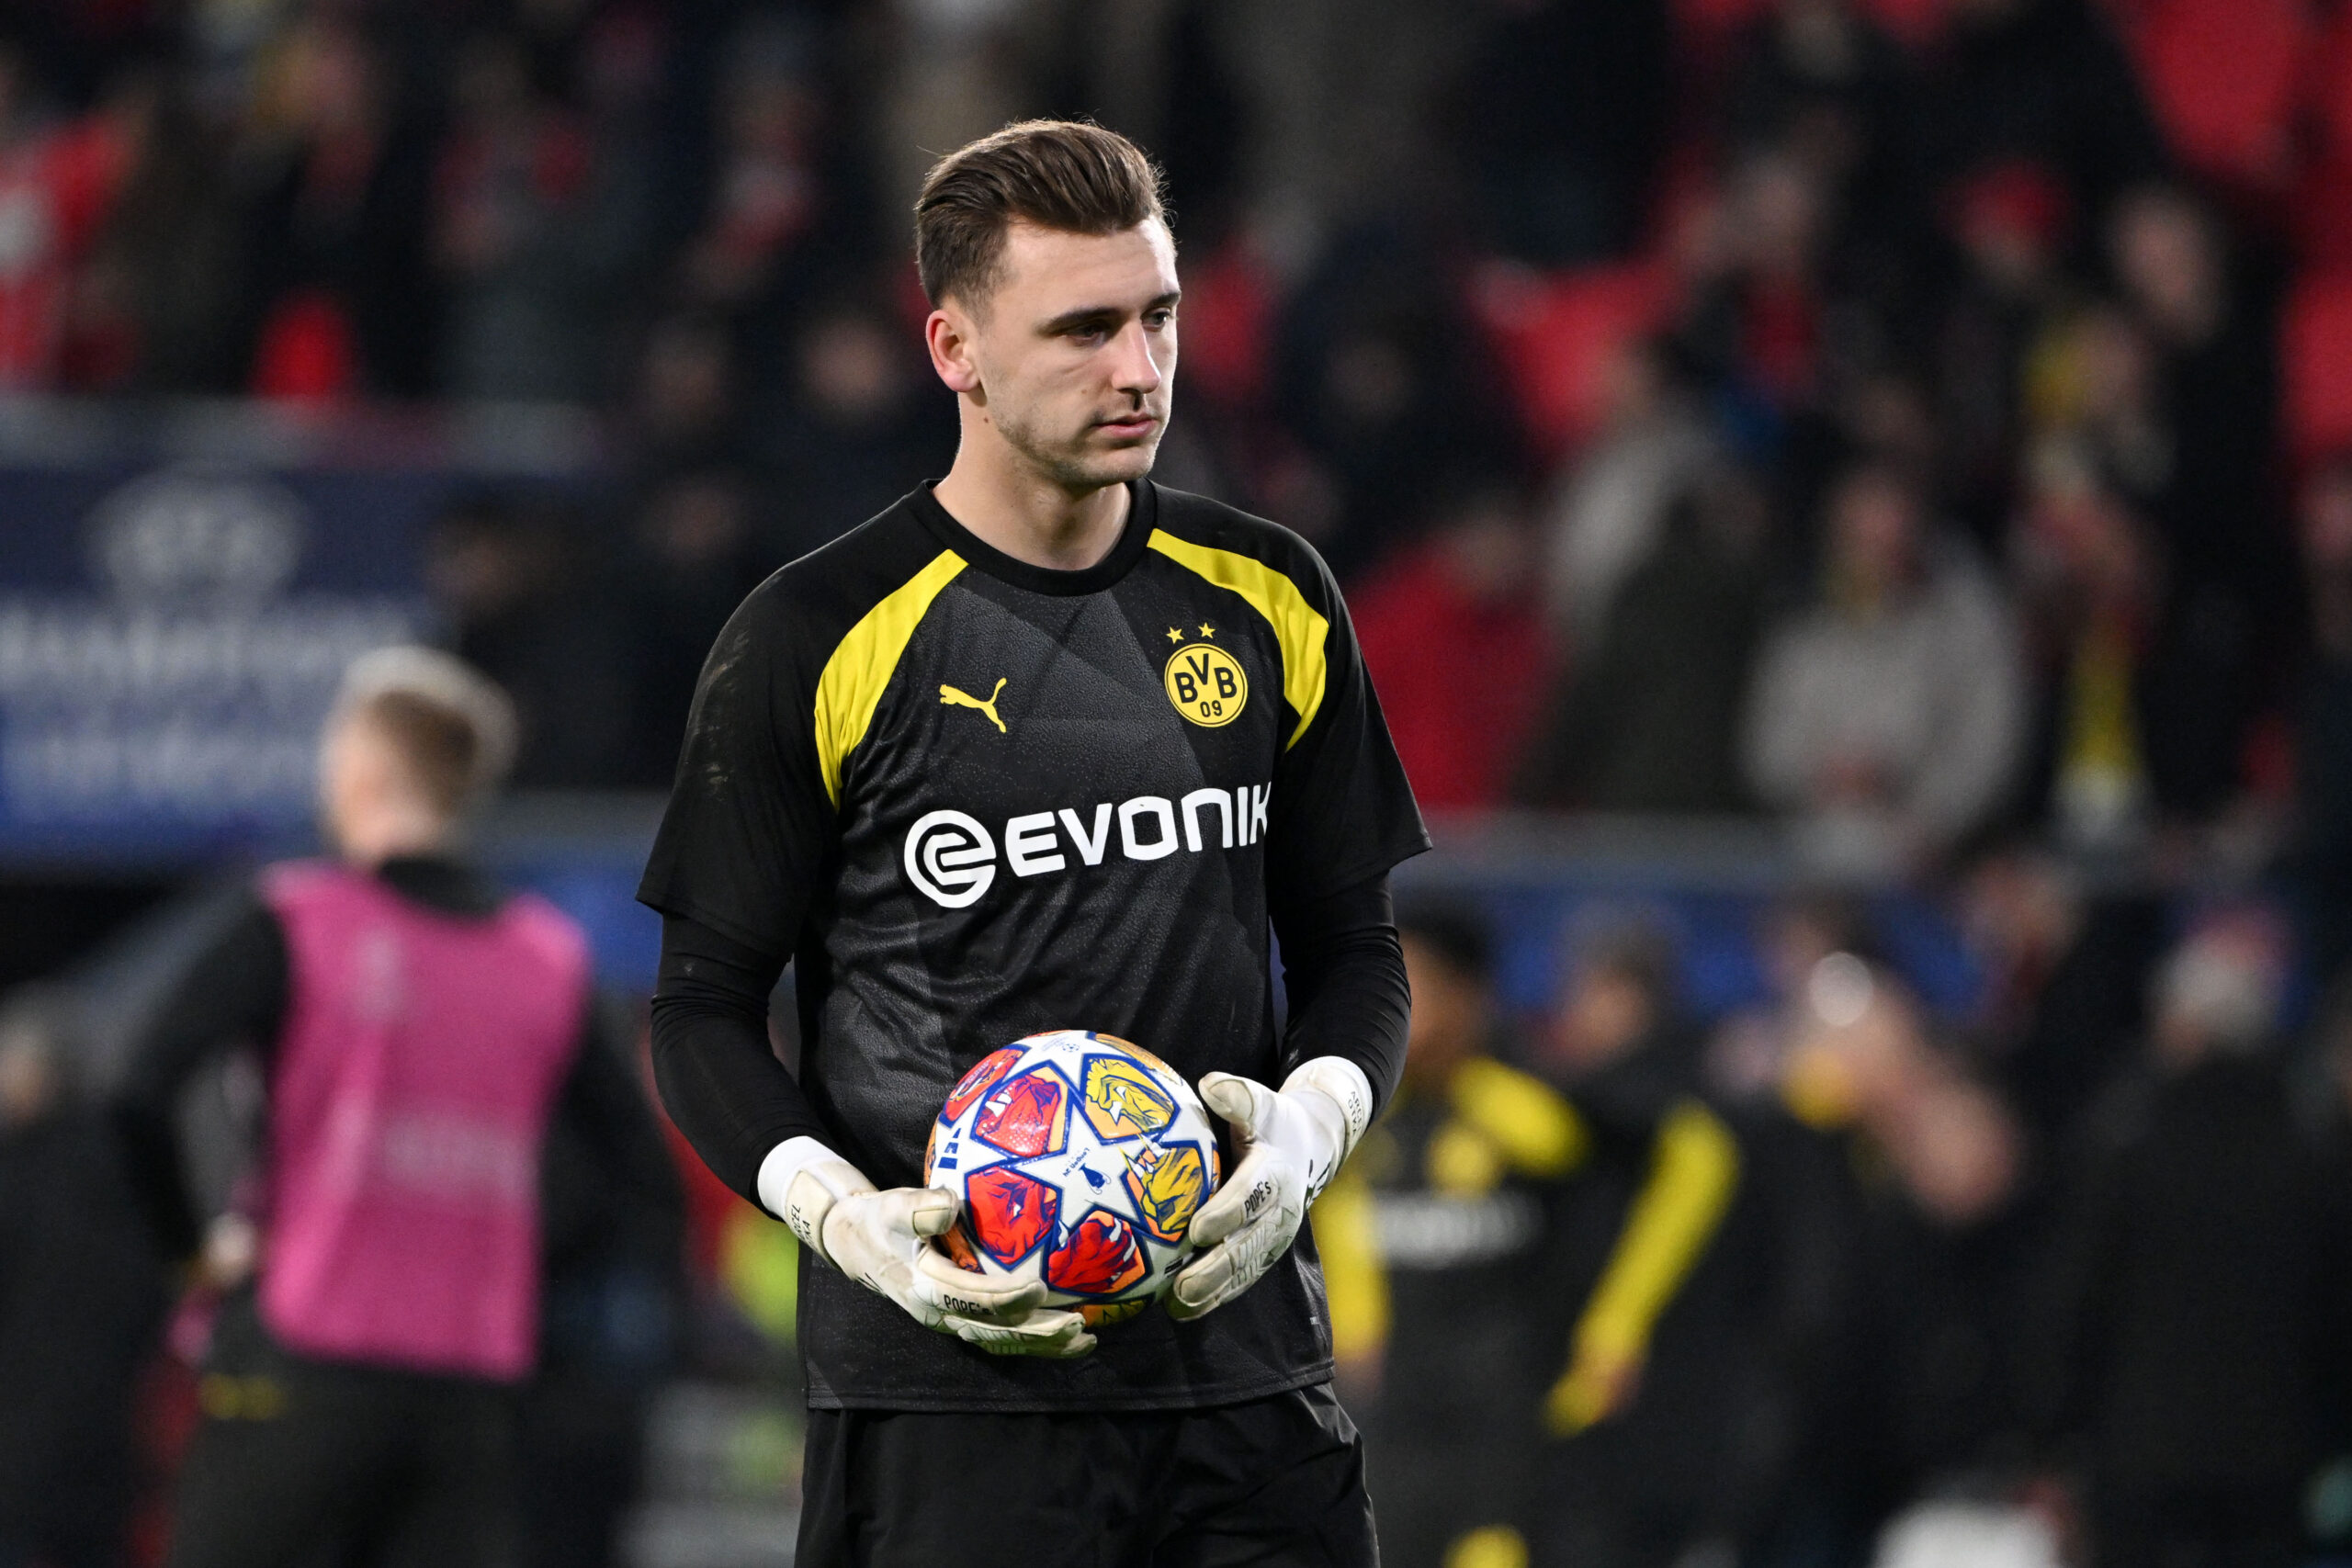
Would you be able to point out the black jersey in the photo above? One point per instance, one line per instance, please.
(1467, 1188)
(977, 800)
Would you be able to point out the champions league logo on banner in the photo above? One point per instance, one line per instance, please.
(169, 642)
(190, 535)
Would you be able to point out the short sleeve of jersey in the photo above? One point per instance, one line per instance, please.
(1343, 810)
(750, 824)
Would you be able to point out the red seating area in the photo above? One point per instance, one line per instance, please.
(2254, 95)
(1554, 334)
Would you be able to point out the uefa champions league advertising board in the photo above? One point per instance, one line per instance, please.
(170, 639)
(172, 633)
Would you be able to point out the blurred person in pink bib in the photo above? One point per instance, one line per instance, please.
(419, 1030)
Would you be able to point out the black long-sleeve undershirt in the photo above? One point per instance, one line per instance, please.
(235, 993)
(717, 1076)
(1342, 969)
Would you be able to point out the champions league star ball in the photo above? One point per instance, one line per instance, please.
(1080, 1160)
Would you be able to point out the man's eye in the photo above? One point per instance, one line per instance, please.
(1160, 321)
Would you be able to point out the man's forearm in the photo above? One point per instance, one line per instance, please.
(719, 1080)
(1344, 971)
(232, 992)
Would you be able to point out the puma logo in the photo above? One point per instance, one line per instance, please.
(950, 697)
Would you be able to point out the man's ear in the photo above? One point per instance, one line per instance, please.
(948, 332)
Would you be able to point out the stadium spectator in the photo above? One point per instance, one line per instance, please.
(2010, 223)
(1888, 713)
(1759, 291)
(1647, 717)
(1565, 115)
(2041, 79)
(57, 180)
(2088, 590)
(513, 179)
(2144, 682)
(766, 190)
(2197, 1280)
(692, 555)
(1455, 643)
(2210, 320)
(684, 409)
(1610, 514)
(1387, 387)
(1822, 77)
(157, 292)
(338, 296)
(2090, 383)
(524, 602)
(853, 433)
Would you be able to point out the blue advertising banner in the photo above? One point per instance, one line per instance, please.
(170, 639)
(180, 592)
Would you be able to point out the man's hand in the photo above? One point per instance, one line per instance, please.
(1599, 1384)
(883, 1240)
(232, 1253)
(1291, 1143)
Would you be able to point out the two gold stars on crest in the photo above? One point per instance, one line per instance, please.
(1206, 630)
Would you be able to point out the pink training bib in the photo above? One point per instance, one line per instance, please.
(420, 1059)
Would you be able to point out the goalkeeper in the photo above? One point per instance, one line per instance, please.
(1045, 745)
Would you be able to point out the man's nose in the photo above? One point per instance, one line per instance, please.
(1135, 366)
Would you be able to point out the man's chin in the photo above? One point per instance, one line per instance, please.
(1104, 467)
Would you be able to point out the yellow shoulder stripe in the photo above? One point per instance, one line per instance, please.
(1694, 1170)
(1299, 629)
(1537, 1132)
(852, 685)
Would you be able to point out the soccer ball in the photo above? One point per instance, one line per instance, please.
(1080, 1160)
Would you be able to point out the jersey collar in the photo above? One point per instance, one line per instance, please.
(1134, 538)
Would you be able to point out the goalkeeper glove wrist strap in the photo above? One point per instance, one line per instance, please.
(1342, 1084)
(800, 1182)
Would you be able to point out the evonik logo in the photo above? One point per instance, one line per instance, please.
(952, 859)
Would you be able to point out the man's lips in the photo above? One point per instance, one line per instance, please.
(1127, 424)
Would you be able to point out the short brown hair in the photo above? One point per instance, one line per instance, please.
(451, 725)
(1056, 174)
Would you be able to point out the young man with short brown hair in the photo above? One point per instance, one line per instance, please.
(1042, 746)
(420, 1031)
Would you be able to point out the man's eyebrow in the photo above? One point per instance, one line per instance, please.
(1092, 315)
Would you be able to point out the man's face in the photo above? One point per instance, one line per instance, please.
(351, 766)
(1075, 351)
(1874, 531)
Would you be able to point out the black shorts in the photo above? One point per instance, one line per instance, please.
(1273, 1481)
(300, 1460)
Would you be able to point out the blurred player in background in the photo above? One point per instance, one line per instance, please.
(420, 1029)
(1443, 1245)
(1042, 746)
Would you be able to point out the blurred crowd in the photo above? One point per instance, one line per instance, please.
(1921, 419)
(1926, 422)
(1836, 1279)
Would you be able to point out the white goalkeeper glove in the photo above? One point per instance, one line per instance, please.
(1291, 1143)
(883, 1240)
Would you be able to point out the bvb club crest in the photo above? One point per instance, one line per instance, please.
(1207, 684)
